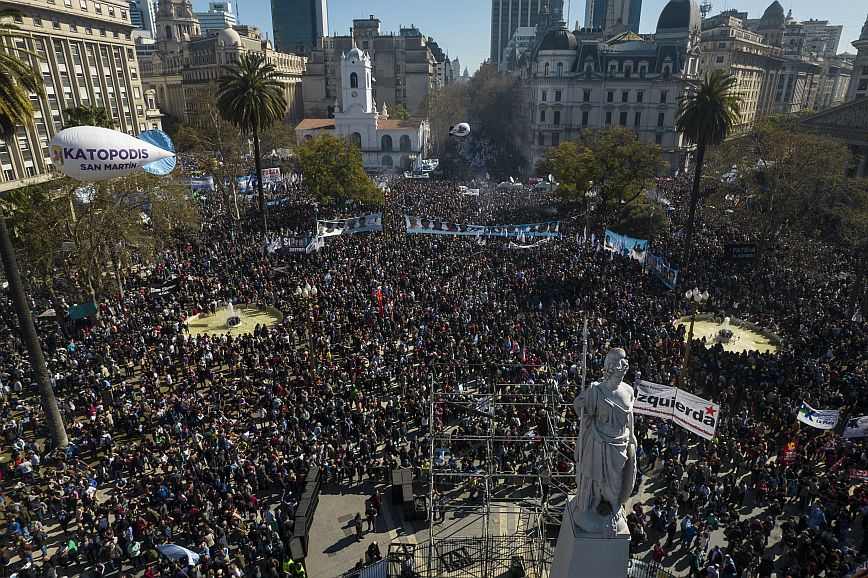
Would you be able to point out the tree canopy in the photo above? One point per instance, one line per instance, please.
(333, 170)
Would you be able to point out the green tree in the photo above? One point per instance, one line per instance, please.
(612, 163)
(251, 97)
(333, 170)
(399, 112)
(88, 115)
(776, 181)
(705, 116)
(446, 107)
(17, 80)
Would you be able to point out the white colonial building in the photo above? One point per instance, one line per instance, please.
(386, 144)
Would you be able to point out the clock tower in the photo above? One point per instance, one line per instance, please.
(356, 84)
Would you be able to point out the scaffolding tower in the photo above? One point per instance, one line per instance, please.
(501, 441)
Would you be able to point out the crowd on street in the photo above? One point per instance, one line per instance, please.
(204, 441)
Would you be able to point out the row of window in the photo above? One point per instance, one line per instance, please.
(623, 117)
(610, 96)
(97, 8)
(555, 139)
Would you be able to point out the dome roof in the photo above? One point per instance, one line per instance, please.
(679, 15)
(355, 54)
(228, 37)
(558, 40)
(773, 15)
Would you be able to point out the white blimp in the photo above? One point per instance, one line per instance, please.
(461, 129)
(91, 153)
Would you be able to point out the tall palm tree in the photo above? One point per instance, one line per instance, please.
(706, 115)
(17, 80)
(250, 97)
(89, 115)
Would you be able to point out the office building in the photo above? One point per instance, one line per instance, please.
(506, 17)
(298, 24)
(142, 15)
(386, 144)
(605, 14)
(218, 17)
(585, 79)
(522, 41)
(403, 67)
(185, 61)
(86, 57)
(859, 79)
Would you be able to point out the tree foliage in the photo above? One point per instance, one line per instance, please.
(446, 107)
(250, 96)
(775, 180)
(612, 163)
(399, 112)
(17, 77)
(88, 115)
(333, 170)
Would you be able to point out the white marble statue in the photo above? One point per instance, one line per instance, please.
(606, 450)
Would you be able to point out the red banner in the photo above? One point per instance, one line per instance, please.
(788, 454)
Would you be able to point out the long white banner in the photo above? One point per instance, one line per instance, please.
(818, 418)
(363, 224)
(691, 412)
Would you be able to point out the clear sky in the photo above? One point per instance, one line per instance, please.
(462, 27)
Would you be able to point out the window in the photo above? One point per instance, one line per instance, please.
(73, 28)
(102, 31)
(97, 7)
(661, 118)
(608, 118)
(55, 23)
(354, 80)
(586, 97)
(37, 21)
(404, 143)
(663, 96)
(17, 18)
(542, 116)
(637, 119)
(585, 118)
(610, 96)
(112, 11)
(540, 139)
(623, 118)
(719, 59)
(667, 72)
(356, 139)
(123, 14)
(557, 96)
(386, 143)
(545, 95)
(625, 95)
(658, 138)
(642, 70)
(640, 96)
(863, 84)
(83, 4)
(88, 29)
(557, 118)
(556, 139)
(546, 69)
(628, 70)
(560, 68)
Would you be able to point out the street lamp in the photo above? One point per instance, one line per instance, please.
(696, 298)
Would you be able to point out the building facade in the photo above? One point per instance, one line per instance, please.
(184, 61)
(143, 14)
(298, 24)
(404, 68)
(386, 144)
(584, 79)
(859, 80)
(86, 57)
(218, 17)
(605, 14)
(506, 17)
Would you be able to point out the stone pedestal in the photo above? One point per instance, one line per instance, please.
(582, 555)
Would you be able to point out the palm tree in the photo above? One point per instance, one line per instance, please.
(17, 81)
(88, 115)
(706, 115)
(251, 98)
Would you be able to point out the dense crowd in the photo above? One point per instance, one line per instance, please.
(205, 441)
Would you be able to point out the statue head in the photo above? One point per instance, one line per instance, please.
(615, 366)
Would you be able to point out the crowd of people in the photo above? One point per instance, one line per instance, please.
(204, 441)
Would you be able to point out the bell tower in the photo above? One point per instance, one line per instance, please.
(175, 24)
(356, 83)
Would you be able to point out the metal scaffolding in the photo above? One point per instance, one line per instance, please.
(501, 446)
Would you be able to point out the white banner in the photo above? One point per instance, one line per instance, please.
(818, 418)
(857, 427)
(363, 224)
(691, 412)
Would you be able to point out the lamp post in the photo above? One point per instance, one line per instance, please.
(309, 294)
(696, 298)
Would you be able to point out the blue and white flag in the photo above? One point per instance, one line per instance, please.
(246, 183)
(857, 427)
(202, 183)
(818, 418)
